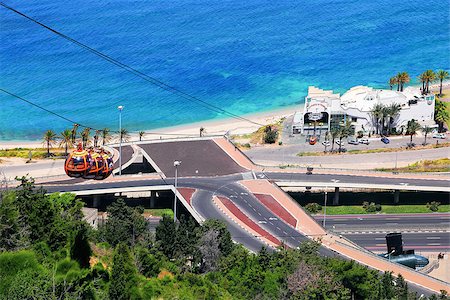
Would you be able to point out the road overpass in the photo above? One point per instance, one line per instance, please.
(226, 185)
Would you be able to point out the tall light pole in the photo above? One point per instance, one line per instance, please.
(120, 108)
(325, 210)
(175, 164)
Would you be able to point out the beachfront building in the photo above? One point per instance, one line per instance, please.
(324, 109)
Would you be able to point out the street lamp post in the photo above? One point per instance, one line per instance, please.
(175, 164)
(325, 210)
(120, 108)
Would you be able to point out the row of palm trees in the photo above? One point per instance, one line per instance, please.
(68, 137)
(427, 77)
(384, 116)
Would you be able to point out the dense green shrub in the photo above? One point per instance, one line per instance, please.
(371, 207)
(434, 205)
(313, 208)
(270, 135)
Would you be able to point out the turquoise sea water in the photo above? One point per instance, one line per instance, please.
(244, 56)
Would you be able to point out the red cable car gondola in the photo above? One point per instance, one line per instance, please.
(89, 164)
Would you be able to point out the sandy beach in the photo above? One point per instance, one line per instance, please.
(211, 127)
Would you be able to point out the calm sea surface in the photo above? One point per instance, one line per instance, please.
(243, 56)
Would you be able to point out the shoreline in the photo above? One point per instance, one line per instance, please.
(212, 127)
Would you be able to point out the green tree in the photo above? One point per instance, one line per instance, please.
(124, 135)
(423, 79)
(123, 274)
(345, 130)
(166, 236)
(411, 129)
(392, 81)
(106, 136)
(49, 140)
(74, 132)
(66, 140)
(441, 114)
(85, 136)
(141, 135)
(125, 224)
(96, 137)
(14, 232)
(334, 134)
(270, 135)
(386, 286)
(426, 130)
(441, 75)
(80, 250)
(401, 288)
(402, 78)
(226, 244)
(392, 113)
(377, 112)
(429, 76)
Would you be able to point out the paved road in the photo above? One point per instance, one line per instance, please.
(423, 232)
(287, 154)
(328, 178)
(421, 242)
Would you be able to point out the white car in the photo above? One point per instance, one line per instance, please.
(353, 141)
(326, 143)
(339, 143)
(364, 141)
(439, 136)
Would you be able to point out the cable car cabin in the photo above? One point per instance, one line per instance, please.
(88, 164)
(313, 140)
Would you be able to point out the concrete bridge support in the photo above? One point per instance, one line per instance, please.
(396, 196)
(336, 196)
(152, 199)
(95, 201)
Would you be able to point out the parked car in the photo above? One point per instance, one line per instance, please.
(364, 141)
(439, 136)
(385, 140)
(339, 143)
(326, 143)
(353, 141)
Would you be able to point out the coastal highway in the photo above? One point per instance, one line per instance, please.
(423, 232)
(421, 242)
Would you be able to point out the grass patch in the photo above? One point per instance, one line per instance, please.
(377, 150)
(386, 209)
(437, 165)
(257, 137)
(37, 153)
(159, 212)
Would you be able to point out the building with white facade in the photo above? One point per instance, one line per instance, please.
(324, 109)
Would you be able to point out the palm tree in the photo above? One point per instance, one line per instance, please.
(426, 130)
(441, 75)
(105, 135)
(377, 113)
(441, 114)
(344, 131)
(66, 140)
(74, 132)
(124, 136)
(385, 115)
(96, 137)
(422, 77)
(85, 136)
(334, 134)
(393, 111)
(411, 129)
(430, 76)
(141, 135)
(393, 81)
(49, 140)
(404, 79)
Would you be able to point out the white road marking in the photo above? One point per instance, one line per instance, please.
(433, 238)
(262, 222)
(273, 219)
(434, 244)
(379, 239)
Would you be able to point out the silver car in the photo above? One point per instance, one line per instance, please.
(364, 141)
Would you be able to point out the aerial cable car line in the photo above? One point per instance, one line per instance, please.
(134, 71)
(75, 122)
